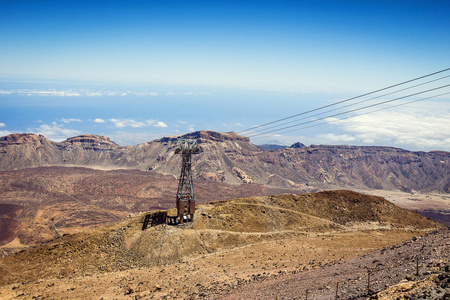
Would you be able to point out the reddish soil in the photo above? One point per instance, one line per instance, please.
(8, 223)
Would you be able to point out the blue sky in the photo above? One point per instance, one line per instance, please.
(139, 70)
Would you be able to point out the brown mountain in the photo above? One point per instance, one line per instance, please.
(25, 150)
(231, 158)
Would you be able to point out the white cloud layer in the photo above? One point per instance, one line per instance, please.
(4, 132)
(98, 120)
(124, 138)
(73, 93)
(187, 93)
(414, 128)
(121, 123)
(64, 120)
(56, 132)
(160, 124)
(331, 138)
(2, 125)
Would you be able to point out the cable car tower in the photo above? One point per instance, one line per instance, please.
(185, 192)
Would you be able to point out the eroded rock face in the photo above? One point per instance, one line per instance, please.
(21, 138)
(90, 141)
(231, 158)
(24, 150)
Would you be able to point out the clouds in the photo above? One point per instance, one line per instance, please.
(187, 93)
(235, 124)
(56, 132)
(125, 138)
(3, 132)
(73, 93)
(183, 125)
(128, 131)
(121, 123)
(331, 138)
(420, 126)
(117, 123)
(141, 110)
(142, 93)
(64, 120)
(29, 92)
(411, 128)
(90, 93)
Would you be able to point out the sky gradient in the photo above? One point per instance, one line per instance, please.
(139, 70)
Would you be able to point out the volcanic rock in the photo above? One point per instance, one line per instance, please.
(225, 153)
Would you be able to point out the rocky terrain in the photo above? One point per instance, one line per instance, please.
(41, 203)
(38, 204)
(55, 199)
(230, 246)
(231, 158)
(414, 269)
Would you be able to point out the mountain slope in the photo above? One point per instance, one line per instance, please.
(231, 158)
(40, 203)
(218, 226)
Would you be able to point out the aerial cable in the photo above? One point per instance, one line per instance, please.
(346, 100)
(353, 110)
(348, 105)
(366, 113)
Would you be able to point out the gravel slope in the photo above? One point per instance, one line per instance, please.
(389, 266)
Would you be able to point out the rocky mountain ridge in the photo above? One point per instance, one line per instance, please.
(232, 158)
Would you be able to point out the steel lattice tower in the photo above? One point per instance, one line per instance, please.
(185, 192)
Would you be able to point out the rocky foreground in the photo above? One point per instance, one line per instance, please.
(414, 269)
(231, 246)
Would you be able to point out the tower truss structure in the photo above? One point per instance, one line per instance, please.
(185, 192)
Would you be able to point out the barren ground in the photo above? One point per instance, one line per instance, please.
(254, 248)
(433, 205)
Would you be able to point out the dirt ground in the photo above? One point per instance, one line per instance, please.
(252, 248)
(433, 205)
(213, 274)
(403, 269)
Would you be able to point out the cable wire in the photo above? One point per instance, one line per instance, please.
(346, 100)
(348, 105)
(369, 112)
(353, 110)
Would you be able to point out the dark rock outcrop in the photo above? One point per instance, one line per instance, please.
(298, 145)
